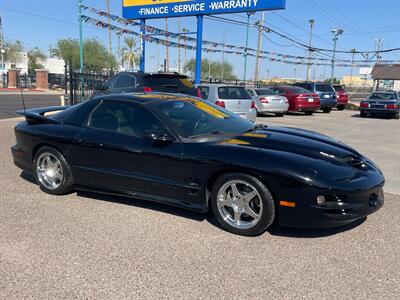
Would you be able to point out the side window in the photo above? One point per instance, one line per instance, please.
(123, 117)
(279, 91)
(204, 90)
(251, 92)
(122, 81)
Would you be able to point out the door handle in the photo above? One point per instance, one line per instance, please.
(89, 143)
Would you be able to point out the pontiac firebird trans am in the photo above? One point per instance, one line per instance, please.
(189, 153)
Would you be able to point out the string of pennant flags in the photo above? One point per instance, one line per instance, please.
(210, 47)
(151, 39)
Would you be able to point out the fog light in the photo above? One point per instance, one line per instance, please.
(321, 200)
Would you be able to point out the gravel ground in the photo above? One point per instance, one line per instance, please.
(101, 247)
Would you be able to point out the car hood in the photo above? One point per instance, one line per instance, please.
(297, 141)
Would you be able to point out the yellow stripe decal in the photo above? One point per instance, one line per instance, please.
(128, 3)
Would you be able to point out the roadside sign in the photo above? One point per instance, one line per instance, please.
(152, 9)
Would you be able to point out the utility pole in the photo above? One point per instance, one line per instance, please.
(247, 46)
(119, 49)
(109, 29)
(2, 46)
(166, 67)
(259, 46)
(336, 33)
(378, 48)
(80, 37)
(311, 22)
(352, 66)
(179, 47)
(185, 30)
(223, 53)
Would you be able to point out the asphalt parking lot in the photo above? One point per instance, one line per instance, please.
(103, 247)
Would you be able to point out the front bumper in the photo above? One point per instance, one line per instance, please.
(341, 209)
(378, 111)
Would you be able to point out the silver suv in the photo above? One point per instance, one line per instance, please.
(233, 98)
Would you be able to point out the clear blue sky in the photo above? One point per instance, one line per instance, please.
(40, 23)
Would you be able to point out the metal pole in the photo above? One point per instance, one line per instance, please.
(143, 45)
(223, 60)
(199, 44)
(109, 29)
(247, 45)
(166, 47)
(259, 46)
(309, 50)
(119, 49)
(179, 48)
(352, 67)
(80, 36)
(335, 39)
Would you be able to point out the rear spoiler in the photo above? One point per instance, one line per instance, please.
(40, 115)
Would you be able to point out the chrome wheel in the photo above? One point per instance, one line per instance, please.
(49, 171)
(239, 204)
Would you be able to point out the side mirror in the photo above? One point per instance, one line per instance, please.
(159, 136)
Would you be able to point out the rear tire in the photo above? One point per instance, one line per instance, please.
(363, 114)
(279, 115)
(309, 113)
(327, 110)
(397, 115)
(341, 107)
(52, 172)
(242, 204)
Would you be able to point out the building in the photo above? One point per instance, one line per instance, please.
(386, 77)
(357, 81)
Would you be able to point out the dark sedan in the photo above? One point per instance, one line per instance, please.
(186, 152)
(381, 103)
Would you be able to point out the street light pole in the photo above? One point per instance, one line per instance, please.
(311, 22)
(247, 45)
(336, 33)
(352, 66)
(223, 53)
(80, 35)
(259, 46)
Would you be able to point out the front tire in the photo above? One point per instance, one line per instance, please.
(52, 171)
(280, 115)
(363, 114)
(242, 204)
(341, 107)
(309, 113)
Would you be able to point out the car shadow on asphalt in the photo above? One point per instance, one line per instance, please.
(274, 230)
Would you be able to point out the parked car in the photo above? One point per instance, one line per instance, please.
(232, 97)
(341, 96)
(381, 103)
(129, 82)
(325, 91)
(268, 101)
(300, 100)
(187, 152)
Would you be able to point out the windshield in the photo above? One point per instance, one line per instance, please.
(233, 92)
(170, 81)
(191, 117)
(266, 92)
(324, 88)
(382, 96)
(338, 88)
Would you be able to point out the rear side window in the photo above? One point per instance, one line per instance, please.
(233, 92)
(324, 88)
(204, 90)
(122, 81)
(179, 82)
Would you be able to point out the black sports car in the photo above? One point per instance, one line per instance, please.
(187, 152)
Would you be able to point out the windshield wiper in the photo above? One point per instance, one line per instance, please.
(209, 133)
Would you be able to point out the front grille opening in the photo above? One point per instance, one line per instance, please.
(373, 200)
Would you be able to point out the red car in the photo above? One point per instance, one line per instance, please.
(300, 100)
(342, 97)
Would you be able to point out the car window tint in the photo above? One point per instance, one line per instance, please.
(123, 81)
(168, 81)
(123, 117)
(338, 88)
(204, 90)
(265, 92)
(233, 92)
(324, 88)
(383, 96)
(298, 90)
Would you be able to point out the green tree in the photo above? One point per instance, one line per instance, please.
(211, 69)
(35, 59)
(335, 81)
(13, 52)
(96, 56)
(129, 53)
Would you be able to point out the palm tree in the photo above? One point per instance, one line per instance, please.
(129, 53)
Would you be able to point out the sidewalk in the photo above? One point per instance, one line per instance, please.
(13, 91)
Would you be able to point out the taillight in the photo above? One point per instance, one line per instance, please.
(337, 96)
(364, 105)
(147, 89)
(253, 105)
(263, 100)
(391, 106)
(220, 103)
(198, 93)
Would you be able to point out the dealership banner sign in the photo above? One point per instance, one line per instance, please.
(152, 9)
